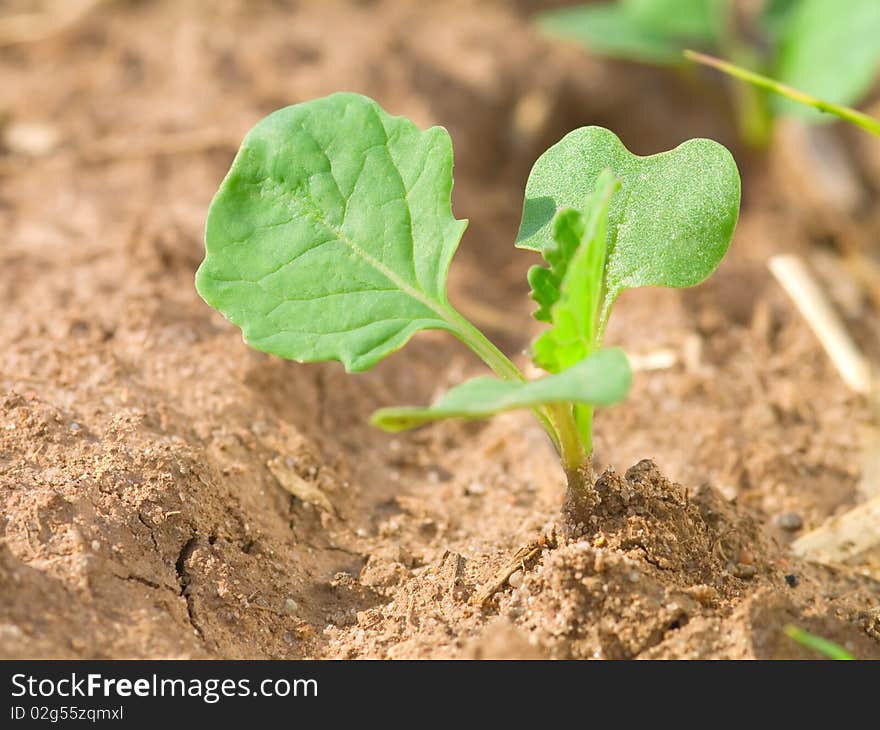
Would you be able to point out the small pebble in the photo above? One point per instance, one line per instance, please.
(705, 594)
(515, 580)
(290, 605)
(31, 139)
(792, 580)
(790, 521)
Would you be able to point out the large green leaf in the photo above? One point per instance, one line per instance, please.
(571, 288)
(602, 379)
(830, 50)
(331, 236)
(670, 223)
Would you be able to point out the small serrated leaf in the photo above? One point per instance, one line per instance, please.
(574, 302)
(602, 379)
(331, 236)
(546, 283)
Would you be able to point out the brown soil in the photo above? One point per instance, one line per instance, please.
(167, 492)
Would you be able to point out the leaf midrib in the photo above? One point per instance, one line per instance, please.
(309, 209)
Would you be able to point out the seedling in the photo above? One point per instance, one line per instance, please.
(331, 236)
(828, 48)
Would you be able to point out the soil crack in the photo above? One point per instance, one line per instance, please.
(147, 582)
(185, 580)
(149, 527)
(648, 558)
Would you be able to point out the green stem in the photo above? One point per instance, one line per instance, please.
(501, 365)
(483, 347)
(753, 116)
(583, 419)
(575, 456)
(571, 450)
(754, 119)
(865, 121)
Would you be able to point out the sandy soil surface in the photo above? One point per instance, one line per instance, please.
(167, 492)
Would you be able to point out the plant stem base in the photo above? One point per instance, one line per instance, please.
(579, 499)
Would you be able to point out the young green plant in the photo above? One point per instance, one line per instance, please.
(331, 236)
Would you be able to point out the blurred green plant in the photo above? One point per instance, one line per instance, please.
(825, 647)
(853, 116)
(826, 47)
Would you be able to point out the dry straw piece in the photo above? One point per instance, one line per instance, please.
(794, 276)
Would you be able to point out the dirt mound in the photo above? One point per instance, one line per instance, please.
(664, 570)
(660, 574)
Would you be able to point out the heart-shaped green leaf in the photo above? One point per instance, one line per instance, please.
(331, 236)
(602, 379)
(669, 224)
